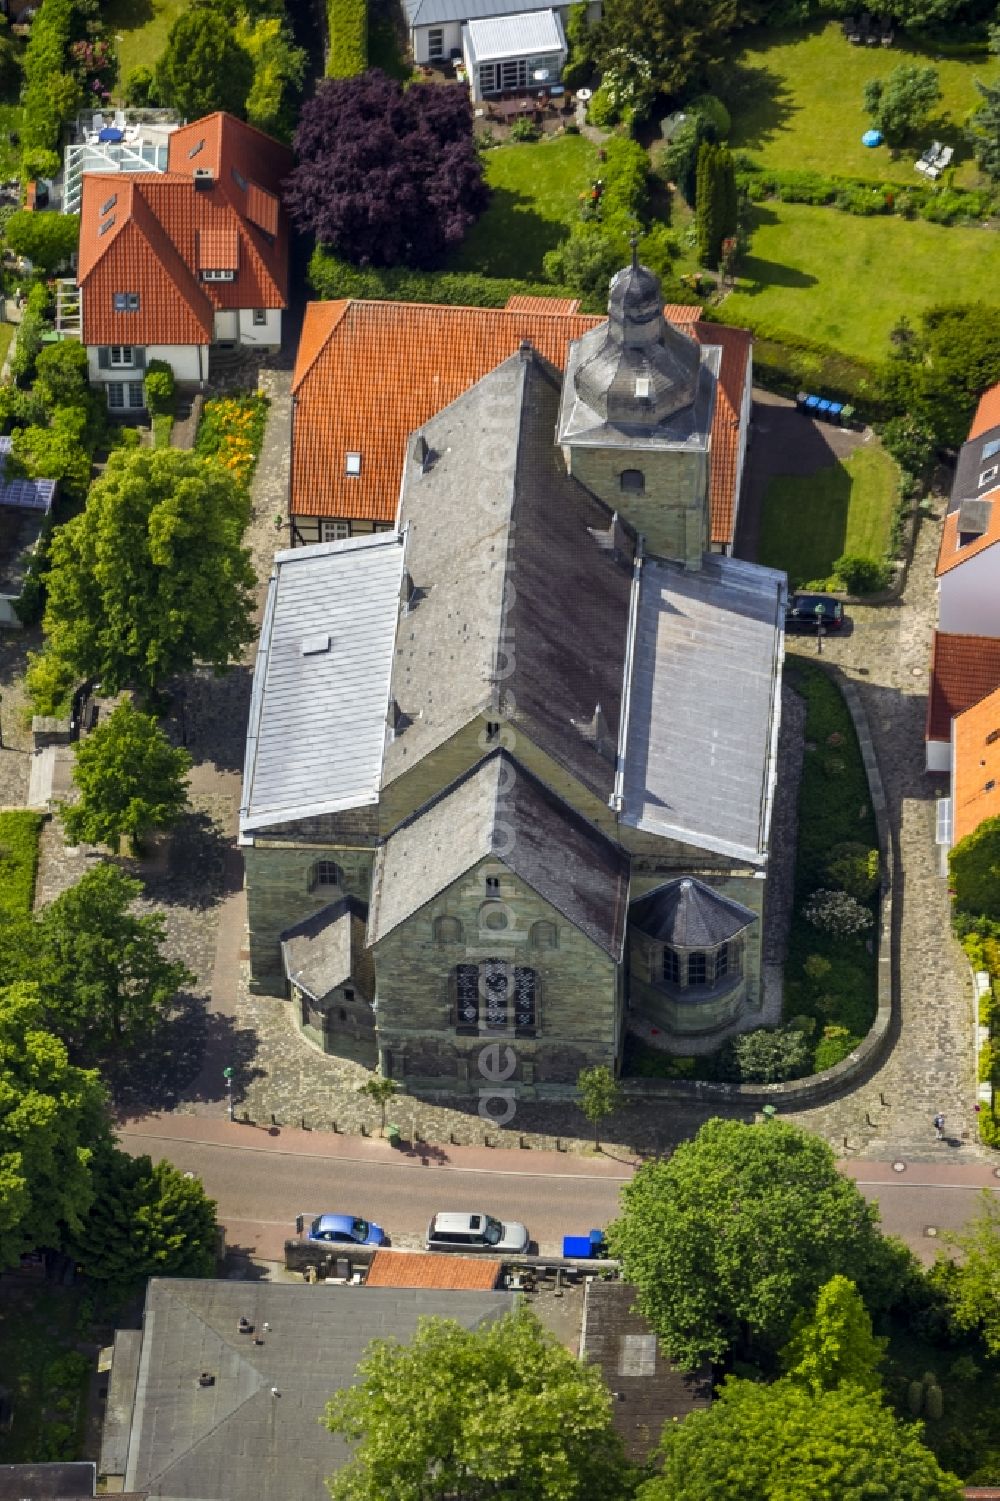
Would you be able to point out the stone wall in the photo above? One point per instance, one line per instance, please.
(279, 893)
(672, 513)
(580, 997)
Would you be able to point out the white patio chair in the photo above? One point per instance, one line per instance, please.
(944, 158)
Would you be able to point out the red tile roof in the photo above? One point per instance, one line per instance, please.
(964, 669)
(425, 1269)
(164, 229)
(976, 766)
(950, 555)
(987, 412)
(368, 373)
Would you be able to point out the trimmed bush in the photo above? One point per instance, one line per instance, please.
(19, 835)
(332, 277)
(855, 869)
(159, 388)
(862, 196)
(348, 23)
(862, 575)
(767, 1056)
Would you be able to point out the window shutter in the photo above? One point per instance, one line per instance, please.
(139, 358)
(104, 358)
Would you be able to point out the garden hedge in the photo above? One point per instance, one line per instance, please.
(19, 834)
(940, 204)
(331, 277)
(348, 25)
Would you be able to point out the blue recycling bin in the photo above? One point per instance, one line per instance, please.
(577, 1246)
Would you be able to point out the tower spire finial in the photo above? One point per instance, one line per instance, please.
(634, 242)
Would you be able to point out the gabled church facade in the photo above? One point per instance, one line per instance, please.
(530, 733)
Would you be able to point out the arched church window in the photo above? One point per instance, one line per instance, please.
(632, 481)
(495, 996)
(447, 930)
(325, 873)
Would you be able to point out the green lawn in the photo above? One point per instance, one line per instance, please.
(536, 200)
(795, 99)
(847, 281)
(809, 522)
(139, 29)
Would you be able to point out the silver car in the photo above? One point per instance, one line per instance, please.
(475, 1232)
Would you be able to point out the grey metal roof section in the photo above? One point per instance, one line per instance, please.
(687, 427)
(321, 683)
(500, 811)
(521, 581)
(534, 33)
(235, 1439)
(689, 915)
(317, 952)
(974, 518)
(121, 1397)
(976, 459)
(73, 1481)
(704, 705)
(436, 12)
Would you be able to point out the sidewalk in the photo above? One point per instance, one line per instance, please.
(281, 1140)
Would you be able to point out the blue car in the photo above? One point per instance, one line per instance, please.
(340, 1229)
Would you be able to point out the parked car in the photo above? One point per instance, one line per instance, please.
(475, 1232)
(801, 613)
(340, 1229)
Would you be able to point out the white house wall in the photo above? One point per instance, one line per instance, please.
(969, 596)
(938, 755)
(267, 333)
(189, 362)
(421, 40)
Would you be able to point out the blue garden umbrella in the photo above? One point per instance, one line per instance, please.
(872, 138)
(111, 133)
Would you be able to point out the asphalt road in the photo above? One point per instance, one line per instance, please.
(260, 1189)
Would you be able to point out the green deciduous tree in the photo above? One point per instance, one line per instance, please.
(498, 1410)
(146, 1221)
(678, 38)
(380, 1091)
(203, 68)
(600, 1095)
(984, 128)
(278, 71)
(938, 379)
(48, 240)
(51, 1117)
(971, 1283)
(835, 1345)
(738, 1231)
(149, 578)
(901, 103)
(974, 870)
(130, 779)
(759, 1443)
(101, 968)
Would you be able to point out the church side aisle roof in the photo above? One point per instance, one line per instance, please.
(705, 705)
(321, 682)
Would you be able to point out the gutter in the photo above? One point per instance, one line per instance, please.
(617, 798)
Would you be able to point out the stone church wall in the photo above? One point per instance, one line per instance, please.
(278, 895)
(671, 513)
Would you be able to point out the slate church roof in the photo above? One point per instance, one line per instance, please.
(322, 951)
(518, 591)
(500, 811)
(689, 915)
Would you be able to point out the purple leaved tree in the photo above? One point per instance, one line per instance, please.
(386, 177)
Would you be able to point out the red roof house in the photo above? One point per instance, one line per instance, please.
(171, 263)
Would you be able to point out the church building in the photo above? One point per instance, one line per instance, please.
(510, 765)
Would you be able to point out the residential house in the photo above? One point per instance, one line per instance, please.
(220, 1395)
(975, 766)
(488, 724)
(174, 264)
(368, 374)
(448, 30)
(964, 670)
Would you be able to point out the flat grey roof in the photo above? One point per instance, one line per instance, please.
(234, 1439)
(536, 33)
(121, 1396)
(436, 12)
(704, 704)
(321, 683)
(73, 1481)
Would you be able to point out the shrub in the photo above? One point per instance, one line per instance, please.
(140, 88)
(910, 444)
(714, 111)
(988, 1070)
(974, 870)
(47, 240)
(231, 431)
(332, 276)
(834, 1046)
(837, 913)
(854, 868)
(348, 23)
(862, 575)
(159, 388)
(768, 1057)
(19, 835)
(989, 1128)
(602, 110)
(524, 130)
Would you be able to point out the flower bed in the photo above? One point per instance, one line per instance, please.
(231, 432)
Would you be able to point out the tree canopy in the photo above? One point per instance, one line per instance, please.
(947, 362)
(51, 1117)
(146, 1221)
(901, 103)
(974, 870)
(677, 38)
(477, 1413)
(386, 176)
(600, 1095)
(203, 68)
(130, 779)
(835, 1344)
(971, 1282)
(101, 967)
(737, 1232)
(148, 579)
(761, 1442)
(48, 240)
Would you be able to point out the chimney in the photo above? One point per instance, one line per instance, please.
(203, 179)
(423, 455)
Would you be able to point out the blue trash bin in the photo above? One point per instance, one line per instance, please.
(577, 1246)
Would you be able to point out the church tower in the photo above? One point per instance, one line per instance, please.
(636, 416)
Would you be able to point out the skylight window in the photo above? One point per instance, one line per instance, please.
(990, 448)
(239, 179)
(989, 474)
(353, 464)
(109, 205)
(106, 226)
(195, 149)
(642, 387)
